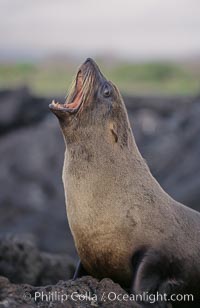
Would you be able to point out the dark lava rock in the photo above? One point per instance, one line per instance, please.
(86, 292)
(22, 262)
(170, 143)
(19, 108)
(31, 189)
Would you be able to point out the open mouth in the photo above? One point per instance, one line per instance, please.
(75, 100)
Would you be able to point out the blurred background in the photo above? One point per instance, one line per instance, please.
(149, 49)
(144, 46)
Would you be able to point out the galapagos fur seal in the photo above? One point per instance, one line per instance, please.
(125, 226)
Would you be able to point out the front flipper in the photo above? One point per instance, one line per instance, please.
(155, 278)
(80, 271)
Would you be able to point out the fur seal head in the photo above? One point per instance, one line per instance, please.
(93, 102)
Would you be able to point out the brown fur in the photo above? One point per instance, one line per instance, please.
(114, 205)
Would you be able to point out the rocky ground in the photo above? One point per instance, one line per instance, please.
(36, 247)
(86, 292)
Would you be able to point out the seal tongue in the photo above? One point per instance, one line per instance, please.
(75, 103)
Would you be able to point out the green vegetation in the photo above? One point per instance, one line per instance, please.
(147, 78)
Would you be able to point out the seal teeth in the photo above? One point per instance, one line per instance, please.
(55, 103)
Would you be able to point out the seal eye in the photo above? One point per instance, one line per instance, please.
(106, 90)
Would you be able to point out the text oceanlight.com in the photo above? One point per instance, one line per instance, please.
(60, 296)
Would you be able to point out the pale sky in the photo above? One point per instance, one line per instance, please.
(148, 29)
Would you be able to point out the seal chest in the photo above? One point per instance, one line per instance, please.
(97, 222)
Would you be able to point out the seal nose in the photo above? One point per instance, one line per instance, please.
(89, 60)
(91, 65)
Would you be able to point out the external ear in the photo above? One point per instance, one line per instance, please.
(113, 129)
